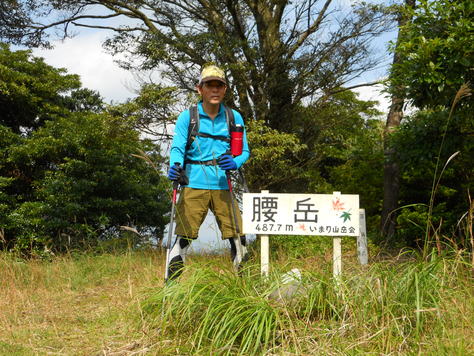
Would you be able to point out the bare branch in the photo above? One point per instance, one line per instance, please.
(115, 29)
(71, 19)
(333, 92)
(311, 29)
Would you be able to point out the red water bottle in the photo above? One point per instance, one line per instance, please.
(236, 140)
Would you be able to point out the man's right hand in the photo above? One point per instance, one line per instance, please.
(175, 172)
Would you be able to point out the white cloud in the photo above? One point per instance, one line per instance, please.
(84, 55)
(375, 93)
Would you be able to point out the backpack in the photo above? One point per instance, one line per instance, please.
(193, 131)
(193, 128)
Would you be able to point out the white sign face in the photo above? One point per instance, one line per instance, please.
(301, 214)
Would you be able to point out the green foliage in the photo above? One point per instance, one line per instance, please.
(7, 174)
(331, 146)
(84, 99)
(391, 306)
(418, 144)
(86, 183)
(31, 91)
(67, 175)
(299, 246)
(151, 111)
(336, 133)
(4, 182)
(434, 61)
(411, 223)
(30, 230)
(437, 49)
(361, 169)
(271, 162)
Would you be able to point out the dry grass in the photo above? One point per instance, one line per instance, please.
(84, 305)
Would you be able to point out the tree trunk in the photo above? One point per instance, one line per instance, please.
(391, 180)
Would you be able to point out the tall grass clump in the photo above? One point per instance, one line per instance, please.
(431, 231)
(217, 311)
(392, 306)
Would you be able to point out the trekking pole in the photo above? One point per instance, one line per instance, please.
(238, 243)
(170, 229)
(244, 181)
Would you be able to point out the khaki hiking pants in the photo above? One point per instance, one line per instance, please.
(192, 207)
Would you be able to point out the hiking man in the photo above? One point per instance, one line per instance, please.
(201, 144)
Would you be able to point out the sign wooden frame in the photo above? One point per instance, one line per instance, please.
(334, 215)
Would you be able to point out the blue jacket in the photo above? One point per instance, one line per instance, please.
(205, 148)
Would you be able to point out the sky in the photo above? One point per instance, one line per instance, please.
(84, 55)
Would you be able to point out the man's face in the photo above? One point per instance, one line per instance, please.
(212, 91)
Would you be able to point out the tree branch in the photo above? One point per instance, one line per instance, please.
(115, 29)
(353, 87)
(313, 28)
(41, 27)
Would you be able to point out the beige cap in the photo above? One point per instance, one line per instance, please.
(212, 72)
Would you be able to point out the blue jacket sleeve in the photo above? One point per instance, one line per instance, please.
(240, 160)
(180, 138)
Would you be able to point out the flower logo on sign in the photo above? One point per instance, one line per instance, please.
(337, 205)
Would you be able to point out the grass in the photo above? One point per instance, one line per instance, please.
(79, 305)
(393, 307)
(115, 305)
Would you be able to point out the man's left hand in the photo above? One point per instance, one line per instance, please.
(226, 162)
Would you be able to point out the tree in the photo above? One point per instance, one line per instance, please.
(84, 99)
(7, 174)
(329, 131)
(418, 146)
(14, 19)
(277, 53)
(348, 148)
(86, 183)
(438, 47)
(31, 91)
(67, 174)
(361, 171)
(391, 181)
(152, 112)
(433, 58)
(333, 132)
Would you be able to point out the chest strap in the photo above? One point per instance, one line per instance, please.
(221, 138)
(211, 162)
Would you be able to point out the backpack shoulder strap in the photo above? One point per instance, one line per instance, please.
(193, 127)
(229, 115)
